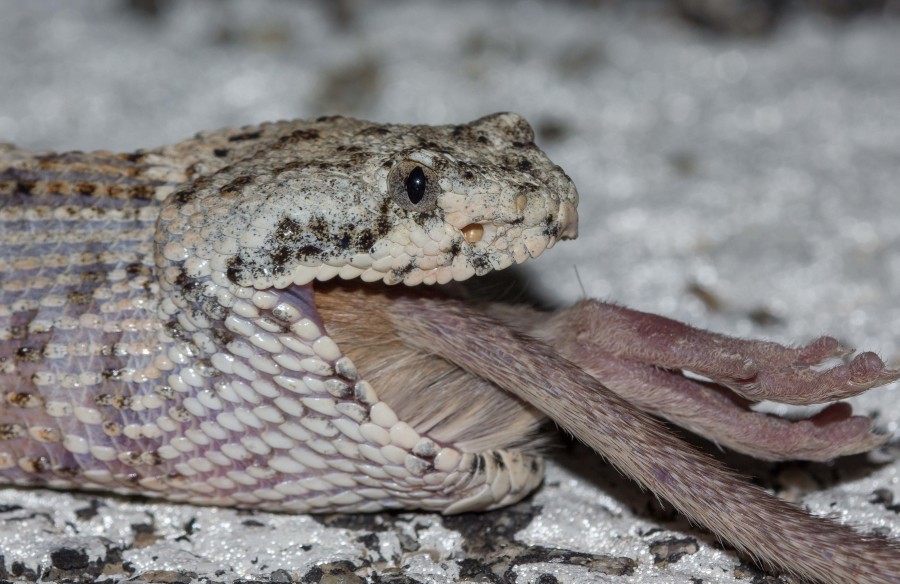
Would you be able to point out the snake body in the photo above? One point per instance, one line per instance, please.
(159, 328)
(166, 329)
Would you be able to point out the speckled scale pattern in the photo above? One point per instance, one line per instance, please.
(271, 219)
(158, 330)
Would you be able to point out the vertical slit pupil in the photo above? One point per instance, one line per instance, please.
(415, 185)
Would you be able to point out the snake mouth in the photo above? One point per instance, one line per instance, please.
(486, 247)
(454, 250)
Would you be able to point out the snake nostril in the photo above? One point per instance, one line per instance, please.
(473, 232)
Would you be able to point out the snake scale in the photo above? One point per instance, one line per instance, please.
(214, 322)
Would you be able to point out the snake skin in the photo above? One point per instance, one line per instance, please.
(158, 330)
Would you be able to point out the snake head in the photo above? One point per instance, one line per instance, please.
(393, 203)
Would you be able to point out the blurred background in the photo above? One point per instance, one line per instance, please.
(738, 164)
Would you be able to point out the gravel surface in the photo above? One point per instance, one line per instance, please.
(744, 184)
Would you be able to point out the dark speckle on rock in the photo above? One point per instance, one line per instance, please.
(280, 577)
(394, 578)
(252, 523)
(69, 559)
(89, 512)
(370, 540)
(21, 571)
(167, 577)
(334, 573)
(666, 551)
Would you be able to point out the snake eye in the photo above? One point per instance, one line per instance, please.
(413, 186)
(416, 183)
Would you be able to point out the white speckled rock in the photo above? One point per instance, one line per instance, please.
(793, 219)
